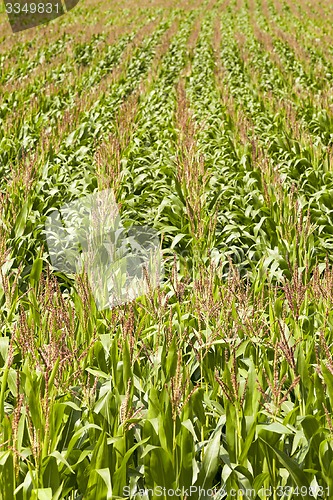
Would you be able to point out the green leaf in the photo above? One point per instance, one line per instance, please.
(210, 460)
(293, 468)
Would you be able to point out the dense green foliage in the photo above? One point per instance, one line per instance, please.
(212, 122)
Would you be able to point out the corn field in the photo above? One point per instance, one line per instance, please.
(212, 122)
